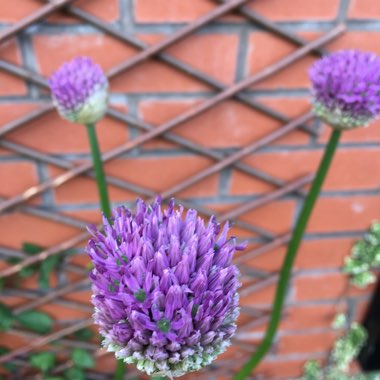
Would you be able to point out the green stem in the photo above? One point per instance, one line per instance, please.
(105, 206)
(157, 378)
(98, 166)
(120, 370)
(287, 265)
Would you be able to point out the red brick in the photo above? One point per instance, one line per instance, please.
(299, 317)
(266, 49)
(320, 253)
(344, 214)
(17, 228)
(216, 128)
(313, 254)
(104, 10)
(319, 287)
(12, 12)
(53, 50)
(243, 184)
(13, 341)
(106, 362)
(10, 84)
(150, 76)
(89, 216)
(288, 165)
(63, 313)
(310, 342)
(220, 209)
(204, 53)
(158, 174)
(173, 11)
(296, 10)
(292, 108)
(361, 310)
(367, 9)
(83, 296)
(17, 177)
(280, 368)
(270, 261)
(199, 51)
(51, 134)
(262, 297)
(264, 216)
(355, 291)
(364, 40)
(81, 190)
(12, 111)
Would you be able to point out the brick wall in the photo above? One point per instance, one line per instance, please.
(36, 145)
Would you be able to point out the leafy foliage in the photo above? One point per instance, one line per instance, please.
(6, 317)
(84, 334)
(44, 361)
(343, 353)
(36, 321)
(82, 359)
(8, 366)
(365, 256)
(348, 347)
(43, 269)
(75, 374)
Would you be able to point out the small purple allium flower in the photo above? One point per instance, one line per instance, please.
(165, 291)
(80, 91)
(346, 88)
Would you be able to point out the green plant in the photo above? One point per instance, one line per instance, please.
(364, 258)
(43, 269)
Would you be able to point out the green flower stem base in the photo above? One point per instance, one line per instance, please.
(120, 370)
(157, 378)
(98, 166)
(287, 265)
(105, 206)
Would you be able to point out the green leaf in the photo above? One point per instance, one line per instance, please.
(42, 361)
(312, 370)
(27, 272)
(6, 317)
(75, 374)
(339, 322)
(82, 359)
(8, 366)
(47, 266)
(53, 378)
(84, 334)
(31, 249)
(348, 347)
(36, 321)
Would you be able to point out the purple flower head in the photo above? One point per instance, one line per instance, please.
(164, 288)
(80, 91)
(346, 88)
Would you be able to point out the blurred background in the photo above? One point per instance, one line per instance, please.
(209, 104)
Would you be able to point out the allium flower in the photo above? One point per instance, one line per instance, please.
(80, 91)
(165, 291)
(346, 88)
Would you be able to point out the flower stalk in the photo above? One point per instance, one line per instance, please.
(99, 171)
(291, 254)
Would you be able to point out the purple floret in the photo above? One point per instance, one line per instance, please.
(77, 83)
(346, 88)
(165, 291)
